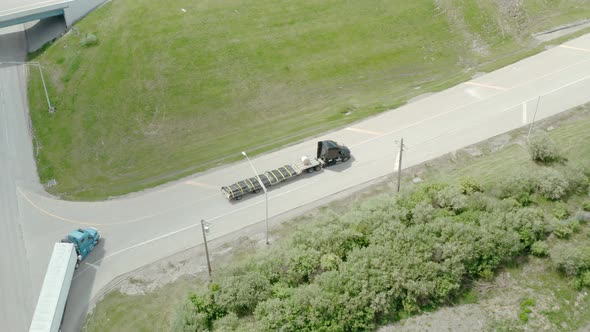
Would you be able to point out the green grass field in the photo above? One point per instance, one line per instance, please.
(166, 92)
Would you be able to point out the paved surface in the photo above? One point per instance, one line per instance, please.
(144, 227)
(17, 293)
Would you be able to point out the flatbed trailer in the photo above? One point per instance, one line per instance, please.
(328, 153)
(273, 177)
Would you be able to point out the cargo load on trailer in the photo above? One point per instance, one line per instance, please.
(328, 153)
(65, 258)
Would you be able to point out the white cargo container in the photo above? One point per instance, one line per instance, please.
(56, 286)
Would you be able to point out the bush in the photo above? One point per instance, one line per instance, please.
(586, 206)
(543, 149)
(565, 229)
(450, 198)
(329, 262)
(571, 259)
(540, 249)
(577, 179)
(551, 184)
(519, 185)
(529, 223)
(583, 280)
(240, 294)
(423, 213)
(89, 40)
(560, 211)
(188, 319)
(302, 265)
(470, 185)
(229, 322)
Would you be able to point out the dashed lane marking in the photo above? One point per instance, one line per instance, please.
(200, 184)
(495, 87)
(358, 130)
(575, 48)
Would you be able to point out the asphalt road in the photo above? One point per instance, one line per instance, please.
(144, 227)
(17, 168)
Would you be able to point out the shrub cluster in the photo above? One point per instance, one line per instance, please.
(548, 182)
(390, 255)
(571, 259)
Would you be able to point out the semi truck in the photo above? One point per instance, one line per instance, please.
(328, 153)
(65, 258)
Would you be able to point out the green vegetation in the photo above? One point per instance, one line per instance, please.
(147, 92)
(525, 309)
(387, 257)
(153, 311)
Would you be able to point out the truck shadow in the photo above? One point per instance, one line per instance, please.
(79, 298)
(342, 166)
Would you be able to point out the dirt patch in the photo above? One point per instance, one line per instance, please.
(513, 19)
(456, 19)
(499, 308)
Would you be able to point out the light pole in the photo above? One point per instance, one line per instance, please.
(51, 109)
(534, 116)
(399, 164)
(205, 229)
(265, 193)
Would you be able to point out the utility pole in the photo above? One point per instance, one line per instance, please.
(205, 229)
(399, 165)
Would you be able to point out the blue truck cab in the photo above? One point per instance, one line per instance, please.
(84, 240)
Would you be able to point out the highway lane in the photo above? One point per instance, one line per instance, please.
(154, 224)
(17, 168)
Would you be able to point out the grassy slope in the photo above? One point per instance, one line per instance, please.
(573, 134)
(167, 93)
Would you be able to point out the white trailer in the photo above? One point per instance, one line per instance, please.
(56, 286)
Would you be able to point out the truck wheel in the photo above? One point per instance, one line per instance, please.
(238, 198)
(256, 191)
(310, 170)
(345, 159)
(318, 167)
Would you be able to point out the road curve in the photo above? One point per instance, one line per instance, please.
(144, 227)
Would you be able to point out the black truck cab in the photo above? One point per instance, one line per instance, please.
(331, 152)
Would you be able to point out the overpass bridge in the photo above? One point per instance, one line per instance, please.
(13, 12)
(42, 20)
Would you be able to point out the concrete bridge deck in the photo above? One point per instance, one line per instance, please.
(14, 12)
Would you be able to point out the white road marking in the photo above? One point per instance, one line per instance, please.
(575, 48)
(189, 227)
(88, 223)
(495, 87)
(358, 130)
(52, 214)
